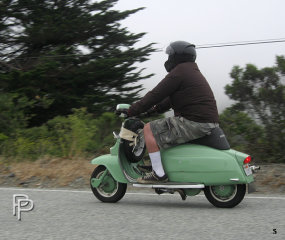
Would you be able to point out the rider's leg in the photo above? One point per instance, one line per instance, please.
(153, 151)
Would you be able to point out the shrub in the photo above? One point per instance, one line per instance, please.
(78, 134)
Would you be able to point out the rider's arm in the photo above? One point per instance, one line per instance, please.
(162, 91)
(164, 105)
(161, 107)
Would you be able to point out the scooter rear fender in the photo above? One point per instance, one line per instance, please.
(111, 162)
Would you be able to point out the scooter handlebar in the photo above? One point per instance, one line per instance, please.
(124, 113)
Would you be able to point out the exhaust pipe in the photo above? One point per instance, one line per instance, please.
(254, 168)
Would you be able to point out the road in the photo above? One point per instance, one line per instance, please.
(66, 214)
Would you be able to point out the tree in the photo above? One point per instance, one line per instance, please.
(12, 113)
(243, 133)
(69, 54)
(261, 94)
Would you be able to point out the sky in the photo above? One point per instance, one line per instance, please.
(208, 22)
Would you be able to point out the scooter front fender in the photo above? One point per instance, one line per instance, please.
(111, 162)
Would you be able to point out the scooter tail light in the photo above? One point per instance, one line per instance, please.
(247, 160)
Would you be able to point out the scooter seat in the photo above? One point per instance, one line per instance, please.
(216, 139)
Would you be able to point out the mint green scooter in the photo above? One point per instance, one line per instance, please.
(205, 164)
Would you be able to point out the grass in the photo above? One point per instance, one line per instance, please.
(55, 172)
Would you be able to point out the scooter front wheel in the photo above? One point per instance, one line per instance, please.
(225, 196)
(109, 190)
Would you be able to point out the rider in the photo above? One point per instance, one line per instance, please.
(187, 92)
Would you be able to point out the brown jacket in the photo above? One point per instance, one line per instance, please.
(186, 91)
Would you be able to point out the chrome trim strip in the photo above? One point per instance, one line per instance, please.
(169, 185)
(234, 179)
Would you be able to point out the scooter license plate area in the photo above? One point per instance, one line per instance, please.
(247, 169)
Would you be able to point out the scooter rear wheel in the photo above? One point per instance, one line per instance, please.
(225, 196)
(109, 190)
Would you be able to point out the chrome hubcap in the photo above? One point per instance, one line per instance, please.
(108, 187)
(223, 193)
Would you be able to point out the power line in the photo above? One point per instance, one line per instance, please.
(244, 43)
(233, 44)
(203, 46)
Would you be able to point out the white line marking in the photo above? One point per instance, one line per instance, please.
(128, 193)
(202, 195)
(279, 198)
(46, 190)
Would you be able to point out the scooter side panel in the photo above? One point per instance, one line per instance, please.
(112, 164)
(201, 164)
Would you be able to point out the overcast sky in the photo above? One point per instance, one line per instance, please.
(206, 22)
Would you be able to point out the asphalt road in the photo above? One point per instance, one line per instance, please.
(65, 214)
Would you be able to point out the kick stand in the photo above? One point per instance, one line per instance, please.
(182, 194)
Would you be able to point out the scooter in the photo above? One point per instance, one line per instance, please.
(207, 164)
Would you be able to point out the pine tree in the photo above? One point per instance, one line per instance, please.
(66, 54)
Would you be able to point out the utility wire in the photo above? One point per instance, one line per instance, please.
(233, 44)
(203, 46)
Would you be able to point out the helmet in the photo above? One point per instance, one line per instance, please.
(179, 52)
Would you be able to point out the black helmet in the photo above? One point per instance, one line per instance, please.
(179, 52)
